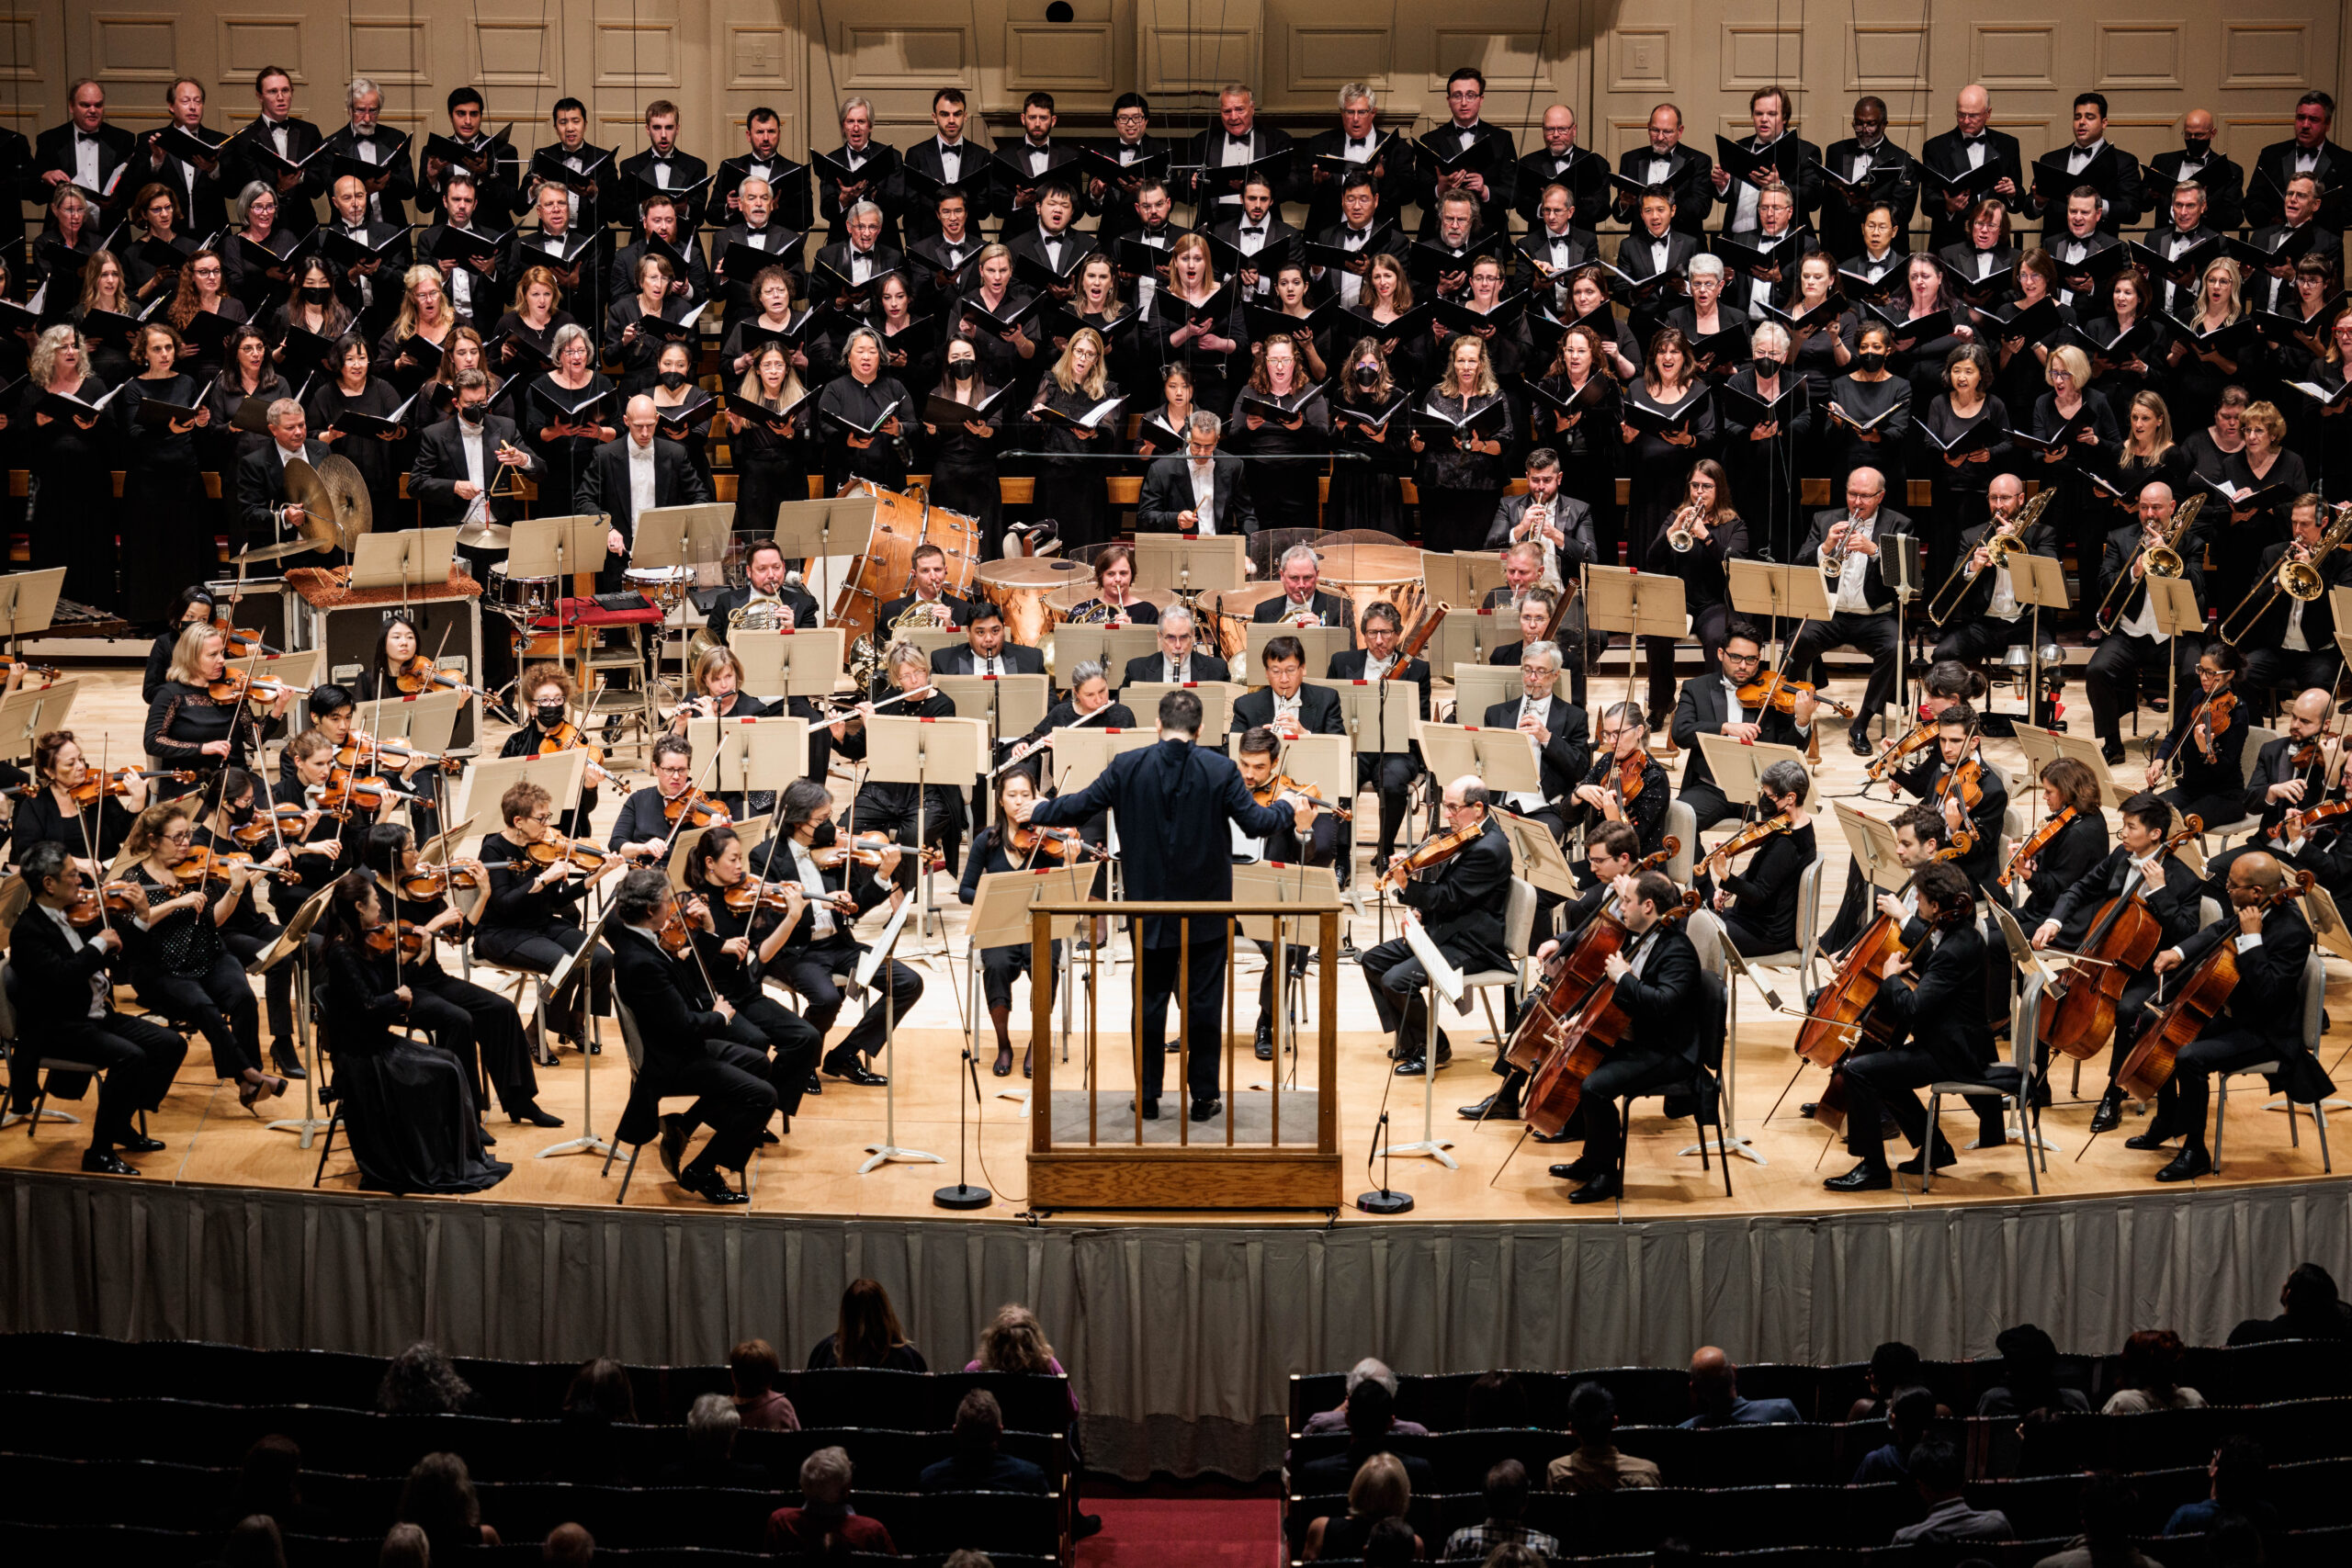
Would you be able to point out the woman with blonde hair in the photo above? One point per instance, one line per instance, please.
(1015, 1341)
(1071, 420)
(412, 348)
(1281, 426)
(1001, 353)
(2201, 366)
(70, 509)
(1202, 343)
(2266, 468)
(1461, 476)
(2071, 405)
(69, 236)
(1380, 1491)
(106, 287)
(2149, 456)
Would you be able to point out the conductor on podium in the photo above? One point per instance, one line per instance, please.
(1174, 801)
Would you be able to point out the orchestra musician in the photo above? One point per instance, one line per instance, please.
(1458, 904)
(736, 947)
(1937, 780)
(1564, 755)
(770, 597)
(191, 728)
(1621, 750)
(1846, 546)
(1302, 602)
(1535, 606)
(1116, 602)
(1286, 703)
(646, 825)
(2263, 1020)
(2078, 846)
(2292, 773)
(529, 922)
(1660, 992)
(839, 888)
(992, 852)
(1921, 835)
(1259, 757)
(688, 1049)
(890, 808)
(1089, 696)
(2112, 678)
(1560, 528)
(1711, 706)
(50, 814)
(1390, 771)
(717, 683)
(986, 650)
(1758, 908)
(2171, 893)
(248, 932)
(545, 692)
(2202, 748)
(1989, 620)
(1715, 534)
(927, 593)
(1939, 1005)
(1176, 661)
(2292, 642)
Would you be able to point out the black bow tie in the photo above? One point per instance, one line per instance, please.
(1976, 140)
(1359, 141)
(269, 124)
(1358, 233)
(1258, 231)
(367, 136)
(1233, 141)
(89, 136)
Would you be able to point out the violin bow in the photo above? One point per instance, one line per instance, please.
(89, 847)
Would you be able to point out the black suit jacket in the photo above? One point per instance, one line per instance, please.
(2223, 180)
(1565, 760)
(2042, 539)
(1947, 155)
(837, 256)
(2175, 905)
(1586, 175)
(1347, 664)
(204, 198)
(959, 610)
(1681, 246)
(1664, 999)
(802, 604)
(261, 485)
(1391, 242)
(1794, 159)
(604, 484)
(2112, 172)
(674, 1030)
(1888, 520)
(1282, 244)
(2268, 999)
(53, 989)
(242, 162)
(2123, 548)
(1892, 181)
(1150, 667)
(1461, 901)
(2278, 163)
(1394, 182)
(982, 196)
(1319, 710)
(53, 149)
(440, 464)
(685, 170)
(1017, 659)
(1942, 1001)
(1168, 491)
(1208, 148)
(1692, 180)
(390, 204)
(1702, 708)
(1336, 610)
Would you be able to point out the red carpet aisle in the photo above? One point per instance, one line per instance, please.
(1165, 1525)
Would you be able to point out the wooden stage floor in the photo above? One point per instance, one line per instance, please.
(814, 1169)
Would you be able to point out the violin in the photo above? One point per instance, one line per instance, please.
(1883, 764)
(1283, 785)
(346, 790)
(1433, 851)
(694, 809)
(1054, 843)
(215, 866)
(581, 854)
(2203, 992)
(92, 904)
(2321, 813)
(2034, 845)
(288, 820)
(394, 755)
(259, 689)
(742, 896)
(1967, 780)
(419, 674)
(1747, 838)
(94, 784)
(1579, 963)
(1631, 772)
(240, 642)
(677, 932)
(2126, 935)
(421, 886)
(867, 850)
(1578, 1041)
(565, 737)
(409, 940)
(44, 671)
(1774, 692)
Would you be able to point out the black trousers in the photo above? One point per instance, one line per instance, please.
(874, 815)
(220, 1006)
(1709, 624)
(2181, 1104)
(1706, 802)
(542, 953)
(1628, 1070)
(810, 972)
(1888, 1082)
(789, 1042)
(1206, 996)
(491, 1026)
(248, 943)
(1983, 637)
(1399, 985)
(733, 1096)
(138, 1058)
(2111, 680)
(1391, 773)
(1873, 635)
(1000, 967)
(2210, 809)
(2296, 673)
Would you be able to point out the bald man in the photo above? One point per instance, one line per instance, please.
(1969, 145)
(2112, 678)
(630, 475)
(1989, 619)
(2262, 1021)
(368, 257)
(1716, 1400)
(1458, 904)
(2196, 160)
(2281, 788)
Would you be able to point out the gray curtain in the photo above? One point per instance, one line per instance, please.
(1181, 1340)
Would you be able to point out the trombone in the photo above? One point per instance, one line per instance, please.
(2297, 577)
(2162, 558)
(2002, 542)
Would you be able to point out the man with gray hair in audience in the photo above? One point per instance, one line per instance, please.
(1336, 1418)
(712, 1422)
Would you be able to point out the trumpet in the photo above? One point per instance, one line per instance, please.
(2297, 576)
(1680, 533)
(2003, 541)
(2159, 558)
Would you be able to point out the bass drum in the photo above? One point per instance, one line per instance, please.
(1223, 624)
(1368, 574)
(886, 569)
(1020, 587)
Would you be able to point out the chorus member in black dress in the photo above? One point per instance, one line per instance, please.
(1387, 296)
(1005, 358)
(1162, 434)
(1509, 346)
(203, 291)
(351, 388)
(1659, 460)
(179, 966)
(1846, 544)
(50, 814)
(155, 265)
(2070, 401)
(823, 942)
(69, 236)
(1762, 456)
(525, 333)
(410, 349)
(1824, 345)
(1461, 476)
(246, 374)
(313, 306)
(2134, 641)
(1758, 907)
(738, 944)
(776, 319)
(627, 341)
(1576, 411)
(166, 529)
(408, 1108)
(770, 449)
(2196, 372)
(462, 353)
(564, 440)
(530, 921)
(257, 282)
(1206, 345)
(1867, 420)
(1282, 478)
(1718, 534)
(910, 350)
(106, 287)
(1969, 420)
(2210, 448)
(2149, 456)
(2264, 465)
(71, 510)
(2118, 378)
(866, 400)
(1364, 495)
(992, 852)
(677, 398)
(962, 456)
(1709, 312)
(1069, 487)
(1317, 348)
(892, 809)
(2023, 350)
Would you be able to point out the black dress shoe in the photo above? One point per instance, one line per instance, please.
(849, 1069)
(139, 1143)
(1862, 1178)
(1002, 1065)
(1265, 1043)
(2160, 1133)
(1599, 1190)
(2111, 751)
(530, 1114)
(1500, 1106)
(1579, 1171)
(1946, 1157)
(1859, 740)
(1562, 1136)
(2109, 1114)
(104, 1162)
(2187, 1166)
(672, 1147)
(1149, 1112)
(815, 1084)
(287, 1060)
(1203, 1110)
(712, 1188)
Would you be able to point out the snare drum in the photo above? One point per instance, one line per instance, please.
(1019, 587)
(660, 583)
(525, 597)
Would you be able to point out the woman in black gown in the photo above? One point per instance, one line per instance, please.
(71, 511)
(2091, 449)
(69, 236)
(348, 388)
(1010, 358)
(1660, 459)
(685, 409)
(2023, 351)
(2265, 465)
(2198, 370)
(408, 1108)
(1000, 967)
(50, 813)
(1868, 416)
(1070, 484)
(558, 428)
(167, 527)
(770, 450)
(203, 291)
(1462, 477)
(1284, 489)
(1576, 410)
(627, 341)
(1365, 494)
(1965, 443)
(863, 400)
(1210, 346)
(962, 456)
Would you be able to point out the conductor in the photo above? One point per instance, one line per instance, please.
(1174, 801)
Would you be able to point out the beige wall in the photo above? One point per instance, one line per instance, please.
(717, 58)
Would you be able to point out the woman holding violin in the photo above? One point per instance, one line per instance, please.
(1627, 785)
(993, 851)
(409, 1108)
(2196, 767)
(465, 1019)
(248, 932)
(891, 808)
(198, 721)
(1758, 909)
(651, 817)
(179, 966)
(193, 606)
(68, 803)
(840, 886)
(545, 692)
(325, 844)
(2066, 848)
(530, 921)
(739, 924)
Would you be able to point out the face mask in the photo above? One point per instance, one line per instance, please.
(1766, 364)
(549, 715)
(317, 296)
(1873, 362)
(472, 414)
(2196, 146)
(962, 369)
(241, 815)
(1367, 375)
(673, 380)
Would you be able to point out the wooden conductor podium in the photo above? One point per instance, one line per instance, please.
(1088, 1150)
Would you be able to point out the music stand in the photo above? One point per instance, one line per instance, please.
(1901, 569)
(2036, 581)
(750, 753)
(811, 530)
(557, 550)
(1189, 564)
(575, 966)
(28, 600)
(410, 558)
(1217, 698)
(1084, 751)
(867, 968)
(1110, 646)
(798, 663)
(1477, 687)
(1739, 767)
(1620, 600)
(487, 779)
(674, 540)
(2043, 747)
(1505, 759)
(1765, 591)
(1000, 918)
(1320, 642)
(1443, 979)
(28, 711)
(1470, 637)
(1537, 853)
(2172, 604)
(1313, 889)
(1011, 706)
(294, 944)
(1378, 716)
(424, 721)
(1872, 843)
(1460, 580)
(924, 751)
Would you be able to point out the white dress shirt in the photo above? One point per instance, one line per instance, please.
(86, 160)
(1204, 493)
(2143, 623)
(1851, 597)
(805, 871)
(1743, 193)
(470, 440)
(1662, 169)
(1526, 800)
(641, 478)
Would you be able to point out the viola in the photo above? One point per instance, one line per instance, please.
(1747, 838)
(1577, 965)
(419, 674)
(1282, 783)
(261, 691)
(677, 933)
(1577, 1042)
(1883, 764)
(240, 642)
(215, 866)
(95, 786)
(409, 940)
(742, 896)
(92, 904)
(1435, 849)
(346, 790)
(2321, 812)
(1770, 690)
(565, 737)
(394, 755)
(2127, 936)
(694, 809)
(1054, 843)
(421, 886)
(1631, 772)
(2033, 846)
(288, 820)
(2202, 993)
(43, 671)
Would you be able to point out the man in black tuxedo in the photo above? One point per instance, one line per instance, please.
(1238, 138)
(1357, 139)
(1563, 747)
(1459, 906)
(1553, 246)
(1356, 230)
(1657, 243)
(276, 129)
(2192, 225)
(1709, 705)
(1941, 1005)
(1486, 174)
(687, 1050)
(472, 284)
(1989, 619)
(862, 257)
(363, 140)
(84, 151)
(1176, 660)
(786, 182)
(490, 162)
(948, 158)
(590, 191)
(937, 261)
(1259, 232)
(2275, 291)
(928, 586)
(371, 287)
(456, 467)
(1050, 241)
(1969, 145)
(2292, 642)
(261, 477)
(759, 228)
(657, 219)
(2308, 152)
(1023, 165)
(2111, 680)
(1869, 155)
(578, 256)
(1793, 159)
(1560, 162)
(1861, 603)
(1175, 801)
(663, 167)
(1687, 173)
(875, 167)
(1286, 703)
(628, 474)
(2089, 160)
(2195, 161)
(62, 986)
(985, 650)
(1390, 771)
(1133, 144)
(204, 197)
(1303, 595)
(1177, 489)
(766, 581)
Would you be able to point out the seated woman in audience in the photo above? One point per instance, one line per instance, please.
(530, 922)
(1279, 451)
(626, 338)
(1379, 1492)
(2148, 1376)
(962, 456)
(525, 334)
(767, 423)
(753, 1366)
(1015, 1341)
(204, 291)
(349, 387)
(421, 1381)
(91, 833)
(188, 727)
(868, 1334)
(439, 1500)
(1365, 494)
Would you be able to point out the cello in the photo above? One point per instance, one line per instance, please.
(1577, 1041)
(1859, 986)
(2123, 937)
(2204, 991)
(1574, 969)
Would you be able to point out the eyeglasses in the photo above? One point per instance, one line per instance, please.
(180, 837)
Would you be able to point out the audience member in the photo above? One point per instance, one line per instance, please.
(761, 1406)
(868, 1334)
(2029, 1376)
(1371, 1425)
(1391, 1543)
(825, 1523)
(421, 1381)
(1715, 1395)
(1381, 1490)
(709, 1459)
(2107, 1502)
(1935, 1471)
(1594, 1464)
(1015, 1342)
(1506, 1502)
(2311, 1309)
(569, 1546)
(2149, 1376)
(404, 1547)
(270, 1484)
(977, 1465)
(2238, 1471)
(1510, 1556)
(967, 1559)
(253, 1544)
(1893, 1366)
(598, 1399)
(1492, 1404)
(1336, 1418)
(440, 1499)
(1907, 1414)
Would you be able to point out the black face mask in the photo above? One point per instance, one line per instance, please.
(1767, 363)
(1367, 375)
(549, 715)
(2197, 147)
(673, 380)
(1873, 362)
(317, 296)
(473, 413)
(962, 369)
(241, 815)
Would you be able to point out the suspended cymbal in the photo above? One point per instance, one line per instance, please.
(273, 552)
(350, 508)
(306, 490)
(486, 535)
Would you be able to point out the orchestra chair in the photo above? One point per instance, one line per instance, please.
(1683, 827)
(329, 1096)
(2256, 738)
(1519, 940)
(2314, 1001)
(532, 980)
(2011, 1082)
(29, 1069)
(641, 1121)
(1700, 1096)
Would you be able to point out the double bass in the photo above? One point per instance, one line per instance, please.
(2204, 991)
(2123, 937)
(1577, 1041)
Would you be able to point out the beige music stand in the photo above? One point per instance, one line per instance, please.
(2043, 747)
(797, 664)
(2172, 604)
(2039, 581)
(671, 537)
(409, 559)
(1505, 759)
(1323, 760)
(1320, 642)
(1217, 698)
(999, 918)
(424, 721)
(1186, 563)
(1477, 687)
(1470, 637)
(815, 531)
(752, 830)
(1461, 579)
(1011, 706)
(1110, 646)
(1767, 591)
(487, 779)
(1312, 889)
(1618, 599)
(562, 547)
(1873, 842)
(30, 711)
(1536, 854)
(1738, 766)
(29, 602)
(751, 753)
(950, 752)
(931, 639)
(1377, 716)
(1081, 752)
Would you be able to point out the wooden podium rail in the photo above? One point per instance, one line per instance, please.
(1216, 1171)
